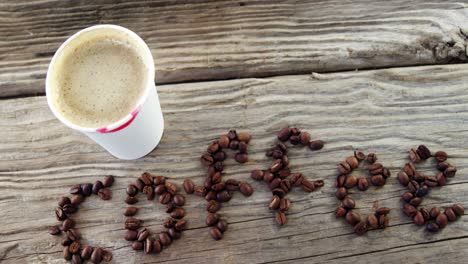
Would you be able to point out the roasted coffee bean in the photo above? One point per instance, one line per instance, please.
(76, 189)
(232, 134)
(165, 239)
(383, 221)
(458, 209)
(106, 255)
(98, 185)
(418, 219)
(86, 189)
(213, 147)
(348, 203)
(305, 138)
(169, 222)
(148, 246)
(440, 156)
(76, 259)
(212, 219)
(403, 178)
(419, 177)
(409, 210)
(257, 175)
(170, 207)
(206, 159)
(434, 212)
(431, 181)
(131, 200)
(159, 189)
(316, 144)
(143, 234)
(274, 202)
(244, 137)
(242, 147)
(352, 218)
(246, 189)
(223, 141)
(340, 212)
(66, 253)
(409, 169)
(276, 166)
(278, 192)
(340, 180)
(223, 196)
(359, 155)
(350, 181)
(67, 224)
(377, 180)
(165, 198)
(295, 140)
(450, 214)
(131, 235)
(216, 178)
(362, 184)
(137, 246)
(180, 225)
(241, 157)
(208, 183)
(234, 144)
(423, 152)
(86, 252)
(386, 173)
(441, 179)
(147, 178)
(54, 230)
(215, 233)
(442, 166)
(132, 190)
(178, 199)
(218, 187)
(283, 173)
(132, 223)
(432, 227)
(213, 206)
(413, 186)
(77, 199)
(63, 201)
(66, 241)
(450, 172)
(219, 156)
(441, 220)
(376, 171)
(222, 226)
(372, 221)
(280, 218)
(407, 196)
(178, 213)
(307, 186)
(352, 161)
(383, 211)
(375, 166)
(371, 158)
(275, 183)
(422, 191)
(60, 214)
(74, 247)
(70, 209)
(200, 191)
(157, 246)
(174, 233)
(341, 193)
(108, 181)
(285, 204)
(286, 185)
(425, 214)
(232, 185)
(284, 134)
(171, 188)
(416, 201)
(360, 228)
(211, 195)
(104, 194)
(414, 156)
(130, 211)
(344, 168)
(148, 190)
(319, 183)
(268, 177)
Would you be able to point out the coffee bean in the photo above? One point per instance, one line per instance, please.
(280, 218)
(371, 158)
(409, 210)
(383, 211)
(165, 239)
(213, 147)
(66, 253)
(458, 209)
(304, 138)
(434, 212)
(377, 180)
(414, 156)
(283, 173)
(274, 202)
(234, 144)
(137, 246)
(409, 169)
(418, 219)
(206, 159)
(340, 211)
(340, 181)
(242, 147)
(386, 173)
(67, 224)
(223, 196)
(344, 168)
(218, 187)
(352, 218)
(383, 221)
(211, 195)
(213, 206)
(106, 255)
(180, 225)
(76, 189)
(284, 134)
(174, 234)
(450, 172)
(362, 184)
(275, 183)
(280, 192)
(130, 211)
(143, 234)
(215, 233)
(431, 181)
(169, 222)
(54, 230)
(60, 214)
(416, 201)
(413, 186)
(440, 156)
(200, 191)
(96, 256)
(441, 179)
(425, 214)
(268, 177)
(178, 213)
(132, 223)
(148, 246)
(104, 194)
(316, 144)
(232, 185)
(98, 185)
(70, 209)
(131, 235)
(276, 166)
(170, 207)
(147, 178)
(131, 200)
(222, 226)
(359, 155)
(348, 203)
(422, 191)
(165, 198)
(159, 189)
(132, 190)
(432, 227)
(179, 200)
(219, 156)
(86, 252)
(341, 193)
(285, 204)
(73, 234)
(257, 175)
(217, 178)
(423, 152)
(307, 186)
(77, 199)
(442, 166)
(352, 161)
(171, 188)
(212, 219)
(139, 184)
(223, 141)
(350, 181)
(86, 189)
(232, 134)
(66, 241)
(244, 137)
(63, 201)
(419, 177)
(372, 221)
(450, 214)
(157, 247)
(74, 247)
(76, 259)
(360, 228)
(407, 196)
(148, 190)
(188, 186)
(403, 178)
(246, 189)
(442, 220)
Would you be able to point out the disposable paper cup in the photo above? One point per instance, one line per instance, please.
(139, 132)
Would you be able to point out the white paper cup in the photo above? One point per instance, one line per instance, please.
(139, 132)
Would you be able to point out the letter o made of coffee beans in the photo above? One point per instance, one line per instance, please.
(345, 181)
(418, 186)
(73, 249)
(167, 194)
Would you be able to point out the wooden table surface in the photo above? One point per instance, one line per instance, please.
(381, 76)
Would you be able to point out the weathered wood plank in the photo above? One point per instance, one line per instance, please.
(207, 40)
(386, 111)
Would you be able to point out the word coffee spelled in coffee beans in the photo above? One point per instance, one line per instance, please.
(345, 181)
(279, 177)
(168, 194)
(73, 249)
(418, 186)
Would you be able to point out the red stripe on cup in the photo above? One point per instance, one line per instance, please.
(124, 125)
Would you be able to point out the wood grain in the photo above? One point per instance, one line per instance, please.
(212, 40)
(385, 111)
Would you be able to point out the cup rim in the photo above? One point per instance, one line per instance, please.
(136, 108)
